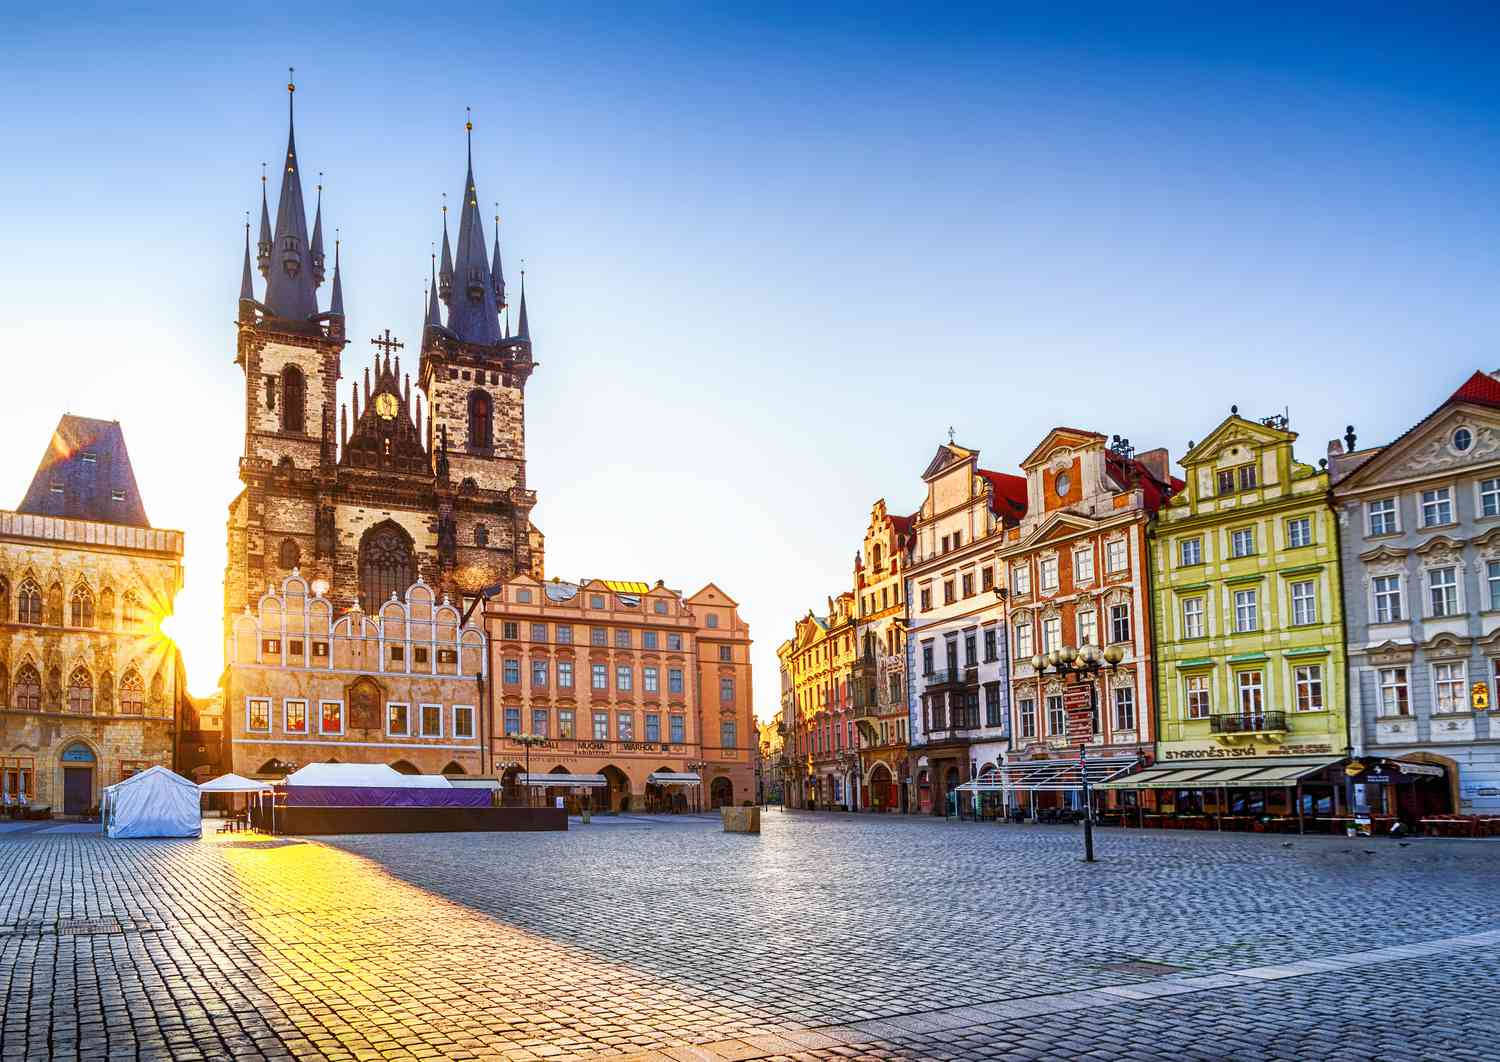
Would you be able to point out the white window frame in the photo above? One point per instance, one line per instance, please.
(324, 704)
(1394, 512)
(1083, 564)
(1455, 586)
(1256, 690)
(1182, 551)
(1051, 633)
(473, 722)
(1299, 522)
(1025, 638)
(1460, 668)
(422, 720)
(1046, 565)
(1119, 694)
(270, 709)
(1113, 620)
(1190, 628)
(1401, 703)
(1234, 542)
(1091, 635)
(624, 678)
(1193, 685)
(1057, 721)
(565, 670)
(1026, 716)
(1251, 606)
(1020, 579)
(397, 733)
(1116, 548)
(1491, 585)
(1308, 602)
(1310, 677)
(1396, 594)
(1441, 497)
(1487, 490)
(286, 703)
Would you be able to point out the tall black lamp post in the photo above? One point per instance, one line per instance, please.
(1087, 661)
(526, 741)
(698, 767)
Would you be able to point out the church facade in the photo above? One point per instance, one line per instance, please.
(399, 485)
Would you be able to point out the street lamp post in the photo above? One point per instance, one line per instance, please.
(526, 741)
(1088, 661)
(697, 767)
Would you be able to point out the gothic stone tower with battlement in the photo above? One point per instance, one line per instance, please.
(364, 499)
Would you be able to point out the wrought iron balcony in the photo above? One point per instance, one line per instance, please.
(1249, 723)
(965, 676)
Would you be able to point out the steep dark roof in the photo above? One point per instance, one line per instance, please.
(1128, 471)
(86, 475)
(1009, 492)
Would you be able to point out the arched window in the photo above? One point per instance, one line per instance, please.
(875, 556)
(386, 565)
(107, 608)
(130, 610)
(80, 692)
(291, 556)
(28, 689)
(81, 607)
(29, 603)
(54, 605)
(293, 399)
(481, 414)
(132, 694)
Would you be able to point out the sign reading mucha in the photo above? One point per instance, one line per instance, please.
(364, 695)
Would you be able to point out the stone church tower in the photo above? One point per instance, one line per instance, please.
(365, 498)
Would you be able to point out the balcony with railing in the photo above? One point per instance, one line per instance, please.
(963, 676)
(1249, 723)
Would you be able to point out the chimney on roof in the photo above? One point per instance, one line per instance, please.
(1335, 448)
(1157, 462)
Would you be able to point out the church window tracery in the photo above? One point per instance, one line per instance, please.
(28, 689)
(132, 693)
(386, 565)
(81, 607)
(80, 692)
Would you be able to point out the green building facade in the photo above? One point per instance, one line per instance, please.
(1249, 622)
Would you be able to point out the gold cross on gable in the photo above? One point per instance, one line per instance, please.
(386, 343)
(950, 427)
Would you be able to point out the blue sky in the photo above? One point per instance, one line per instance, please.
(772, 253)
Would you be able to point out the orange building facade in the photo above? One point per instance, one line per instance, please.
(624, 680)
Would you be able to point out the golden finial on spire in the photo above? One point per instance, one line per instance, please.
(445, 204)
(263, 173)
(468, 120)
(291, 85)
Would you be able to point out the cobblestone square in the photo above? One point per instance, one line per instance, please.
(826, 936)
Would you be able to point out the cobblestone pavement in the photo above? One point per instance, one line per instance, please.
(827, 936)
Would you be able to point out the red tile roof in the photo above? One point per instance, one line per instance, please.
(1130, 471)
(1009, 492)
(1481, 389)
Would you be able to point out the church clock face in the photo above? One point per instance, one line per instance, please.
(385, 405)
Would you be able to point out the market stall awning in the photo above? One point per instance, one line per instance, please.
(233, 783)
(1049, 775)
(673, 778)
(1278, 773)
(563, 781)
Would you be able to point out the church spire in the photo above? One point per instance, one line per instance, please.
(497, 274)
(523, 329)
(290, 293)
(472, 313)
(336, 302)
(434, 315)
(445, 275)
(317, 238)
(247, 285)
(263, 250)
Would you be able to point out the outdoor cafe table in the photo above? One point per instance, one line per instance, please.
(1450, 827)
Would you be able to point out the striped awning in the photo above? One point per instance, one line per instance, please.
(673, 778)
(563, 781)
(1277, 773)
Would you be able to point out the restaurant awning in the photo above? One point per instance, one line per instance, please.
(563, 781)
(673, 778)
(1281, 772)
(1048, 775)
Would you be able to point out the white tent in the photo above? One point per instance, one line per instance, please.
(234, 783)
(364, 775)
(154, 803)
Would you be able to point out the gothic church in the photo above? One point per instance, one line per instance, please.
(366, 498)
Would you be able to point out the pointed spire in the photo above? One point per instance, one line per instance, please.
(434, 315)
(317, 238)
(247, 285)
(445, 275)
(497, 273)
(336, 302)
(290, 290)
(263, 249)
(472, 313)
(523, 330)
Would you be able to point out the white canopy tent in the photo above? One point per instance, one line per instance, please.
(233, 783)
(154, 803)
(364, 775)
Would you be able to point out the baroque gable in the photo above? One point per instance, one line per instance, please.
(1429, 450)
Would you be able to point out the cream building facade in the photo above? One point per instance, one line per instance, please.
(404, 686)
(89, 684)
